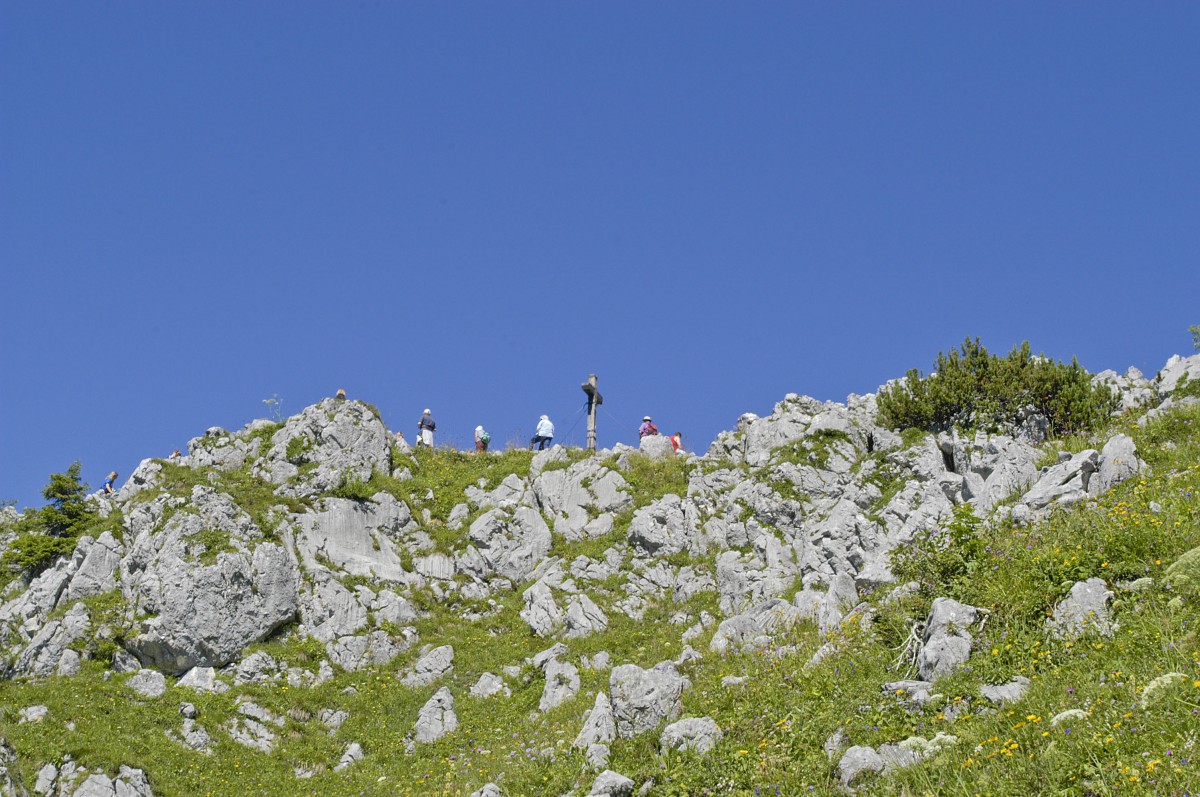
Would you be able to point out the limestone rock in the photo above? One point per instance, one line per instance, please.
(363, 538)
(611, 784)
(584, 617)
(600, 726)
(1084, 610)
(643, 699)
(856, 761)
(510, 545)
(541, 612)
(562, 684)
(1011, 692)
(437, 718)
(340, 437)
(148, 683)
(1118, 462)
(488, 790)
(433, 665)
(656, 446)
(700, 734)
(947, 643)
(490, 685)
(353, 754)
(203, 679)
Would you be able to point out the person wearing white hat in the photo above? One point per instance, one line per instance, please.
(647, 429)
(426, 427)
(482, 439)
(543, 434)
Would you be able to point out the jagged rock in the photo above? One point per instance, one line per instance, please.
(391, 608)
(540, 660)
(436, 566)
(32, 714)
(733, 680)
(340, 437)
(353, 754)
(562, 684)
(490, 685)
(1174, 371)
(599, 725)
(611, 784)
(835, 744)
(1132, 388)
(664, 528)
(128, 783)
(508, 545)
(1010, 692)
(1118, 462)
(97, 572)
(700, 734)
(541, 612)
(827, 608)
(916, 692)
(555, 454)
(363, 538)
(437, 718)
(642, 699)
(857, 760)
(203, 679)
(148, 683)
(433, 665)
(1084, 610)
(656, 446)
(584, 617)
(1065, 483)
(597, 755)
(256, 668)
(44, 653)
(69, 663)
(375, 649)
(193, 737)
(947, 643)
(200, 614)
(741, 631)
(251, 733)
(488, 790)
(573, 495)
(330, 611)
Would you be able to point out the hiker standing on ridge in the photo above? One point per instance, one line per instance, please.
(647, 429)
(482, 439)
(426, 427)
(543, 434)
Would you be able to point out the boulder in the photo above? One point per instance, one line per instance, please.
(562, 684)
(433, 665)
(584, 617)
(363, 538)
(611, 784)
(599, 727)
(656, 446)
(148, 683)
(699, 734)
(1118, 462)
(643, 699)
(510, 545)
(340, 437)
(541, 612)
(490, 685)
(1084, 610)
(436, 718)
(947, 643)
(664, 528)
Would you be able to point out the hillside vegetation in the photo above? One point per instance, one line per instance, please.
(268, 616)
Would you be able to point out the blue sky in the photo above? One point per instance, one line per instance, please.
(470, 207)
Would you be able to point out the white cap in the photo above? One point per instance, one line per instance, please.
(479, 428)
(545, 417)
(426, 412)
(644, 419)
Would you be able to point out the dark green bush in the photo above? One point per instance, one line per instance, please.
(972, 389)
(45, 534)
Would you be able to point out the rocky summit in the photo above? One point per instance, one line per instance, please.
(816, 604)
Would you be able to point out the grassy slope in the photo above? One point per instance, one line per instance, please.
(774, 724)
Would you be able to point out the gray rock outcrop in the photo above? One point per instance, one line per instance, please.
(644, 699)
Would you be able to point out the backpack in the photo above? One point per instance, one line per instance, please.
(484, 437)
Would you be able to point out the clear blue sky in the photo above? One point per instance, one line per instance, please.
(471, 206)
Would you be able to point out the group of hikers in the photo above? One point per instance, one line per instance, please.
(543, 433)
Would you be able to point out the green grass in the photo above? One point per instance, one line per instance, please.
(776, 722)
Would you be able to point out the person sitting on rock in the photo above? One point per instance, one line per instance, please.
(341, 394)
(543, 434)
(110, 483)
(482, 439)
(677, 441)
(647, 429)
(426, 427)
